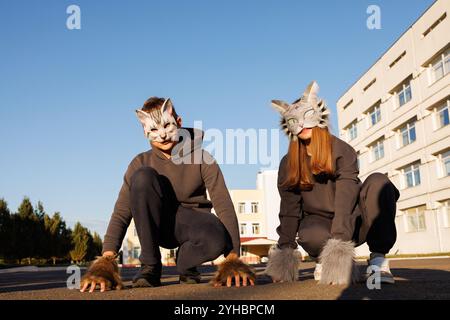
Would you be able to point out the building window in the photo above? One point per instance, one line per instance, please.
(243, 228)
(255, 228)
(411, 175)
(415, 219)
(442, 115)
(407, 133)
(347, 104)
(371, 83)
(445, 210)
(397, 60)
(377, 150)
(172, 253)
(440, 66)
(352, 131)
(434, 25)
(375, 115)
(241, 207)
(254, 207)
(405, 95)
(136, 252)
(444, 164)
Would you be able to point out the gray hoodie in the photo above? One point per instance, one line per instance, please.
(189, 181)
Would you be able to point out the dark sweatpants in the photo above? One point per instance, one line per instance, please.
(161, 221)
(375, 225)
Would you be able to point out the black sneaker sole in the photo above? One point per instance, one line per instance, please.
(144, 283)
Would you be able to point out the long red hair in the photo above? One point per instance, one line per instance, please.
(299, 169)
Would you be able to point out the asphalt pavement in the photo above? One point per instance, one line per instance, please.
(415, 279)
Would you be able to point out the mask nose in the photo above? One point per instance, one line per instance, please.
(162, 134)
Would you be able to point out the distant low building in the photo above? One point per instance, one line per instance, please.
(249, 206)
(131, 249)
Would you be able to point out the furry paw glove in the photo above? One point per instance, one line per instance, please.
(103, 270)
(283, 264)
(232, 267)
(338, 263)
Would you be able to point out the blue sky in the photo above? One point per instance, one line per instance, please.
(67, 97)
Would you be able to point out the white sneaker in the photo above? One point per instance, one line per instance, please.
(318, 272)
(381, 264)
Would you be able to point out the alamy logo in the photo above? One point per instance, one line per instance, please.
(73, 281)
(374, 278)
(73, 21)
(234, 146)
(374, 20)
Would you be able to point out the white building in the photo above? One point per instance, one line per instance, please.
(252, 218)
(396, 116)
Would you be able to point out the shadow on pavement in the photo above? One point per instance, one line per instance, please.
(411, 284)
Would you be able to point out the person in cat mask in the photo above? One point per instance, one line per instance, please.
(164, 191)
(325, 208)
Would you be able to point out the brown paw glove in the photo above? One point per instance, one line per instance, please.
(233, 268)
(103, 271)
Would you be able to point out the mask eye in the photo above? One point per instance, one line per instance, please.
(309, 113)
(292, 121)
(166, 125)
(154, 130)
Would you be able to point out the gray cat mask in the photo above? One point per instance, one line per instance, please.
(307, 112)
(159, 125)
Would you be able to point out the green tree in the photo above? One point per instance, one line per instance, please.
(97, 245)
(26, 231)
(40, 212)
(80, 241)
(65, 241)
(5, 226)
(58, 237)
(4, 212)
(41, 235)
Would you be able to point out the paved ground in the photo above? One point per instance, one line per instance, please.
(415, 279)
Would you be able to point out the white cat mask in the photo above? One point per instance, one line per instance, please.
(308, 112)
(159, 125)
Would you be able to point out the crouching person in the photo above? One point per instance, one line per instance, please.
(164, 191)
(324, 203)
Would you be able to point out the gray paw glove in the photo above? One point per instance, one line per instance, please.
(283, 264)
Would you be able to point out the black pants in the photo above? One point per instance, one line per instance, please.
(375, 225)
(161, 221)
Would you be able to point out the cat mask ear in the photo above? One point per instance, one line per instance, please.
(142, 116)
(311, 93)
(280, 106)
(167, 107)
